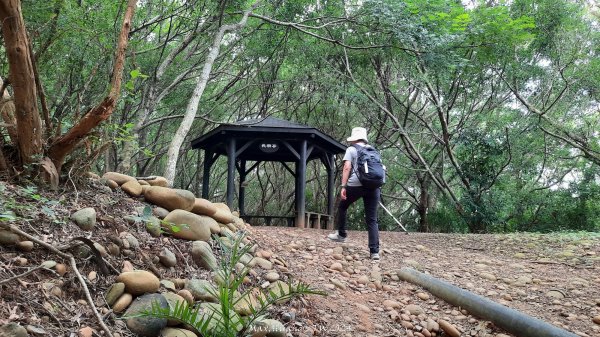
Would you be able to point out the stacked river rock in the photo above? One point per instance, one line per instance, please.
(188, 218)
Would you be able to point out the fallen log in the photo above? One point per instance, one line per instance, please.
(513, 321)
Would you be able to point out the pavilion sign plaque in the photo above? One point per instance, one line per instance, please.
(269, 147)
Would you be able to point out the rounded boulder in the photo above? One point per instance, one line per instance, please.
(25, 246)
(8, 238)
(202, 290)
(160, 212)
(114, 292)
(153, 226)
(204, 207)
(110, 183)
(158, 181)
(85, 218)
(122, 303)
(13, 330)
(176, 332)
(132, 188)
(167, 258)
(173, 300)
(92, 175)
(138, 282)
(187, 295)
(247, 304)
(146, 326)
(170, 198)
(223, 216)
(119, 178)
(203, 256)
(189, 226)
(238, 222)
(223, 206)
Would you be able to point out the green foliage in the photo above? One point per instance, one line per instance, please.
(122, 132)
(482, 156)
(6, 206)
(27, 203)
(134, 74)
(150, 221)
(445, 219)
(221, 320)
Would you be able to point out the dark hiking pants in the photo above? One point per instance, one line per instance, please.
(371, 202)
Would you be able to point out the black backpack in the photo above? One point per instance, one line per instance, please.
(369, 167)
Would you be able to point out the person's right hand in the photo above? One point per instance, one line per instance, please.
(343, 194)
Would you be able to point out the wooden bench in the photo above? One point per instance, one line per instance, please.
(311, 220)
(318, 220)
(289, 220)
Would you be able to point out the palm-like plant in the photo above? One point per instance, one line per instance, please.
(221, 320)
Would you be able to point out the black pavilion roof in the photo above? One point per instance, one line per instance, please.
(268, 130)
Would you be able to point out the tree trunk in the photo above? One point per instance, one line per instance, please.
(7, 112)
(476, 219)
(67, 142)
(3, 164)
(152, 98)
(423, 206)
(21, 76)
(192, 108)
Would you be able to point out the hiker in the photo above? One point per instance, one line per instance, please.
(356, 185)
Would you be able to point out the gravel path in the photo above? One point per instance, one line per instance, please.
(553, 277)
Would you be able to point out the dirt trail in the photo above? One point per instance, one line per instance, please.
(553, 277)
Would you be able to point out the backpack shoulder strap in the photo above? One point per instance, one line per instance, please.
(357, 148)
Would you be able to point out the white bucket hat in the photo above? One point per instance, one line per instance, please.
(358, 134)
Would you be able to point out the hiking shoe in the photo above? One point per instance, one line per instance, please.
(375, 256)
(336, 237)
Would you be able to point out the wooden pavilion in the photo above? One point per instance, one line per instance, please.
(276, 140)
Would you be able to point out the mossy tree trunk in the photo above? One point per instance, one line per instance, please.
(21, 76)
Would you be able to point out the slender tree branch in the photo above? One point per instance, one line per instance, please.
(73, 263)
(41, 92)
(587, 153)
(561, 93)
(157, 19)
(53, 28)
(404, 134)
(572, 140)
(443, 118)
(30, 271)
(304, 29)
(508, 160)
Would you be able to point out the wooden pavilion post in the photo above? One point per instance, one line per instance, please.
(301, 186)
(330, 187)
(208, 161)
(242, 187)
(230, 171)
